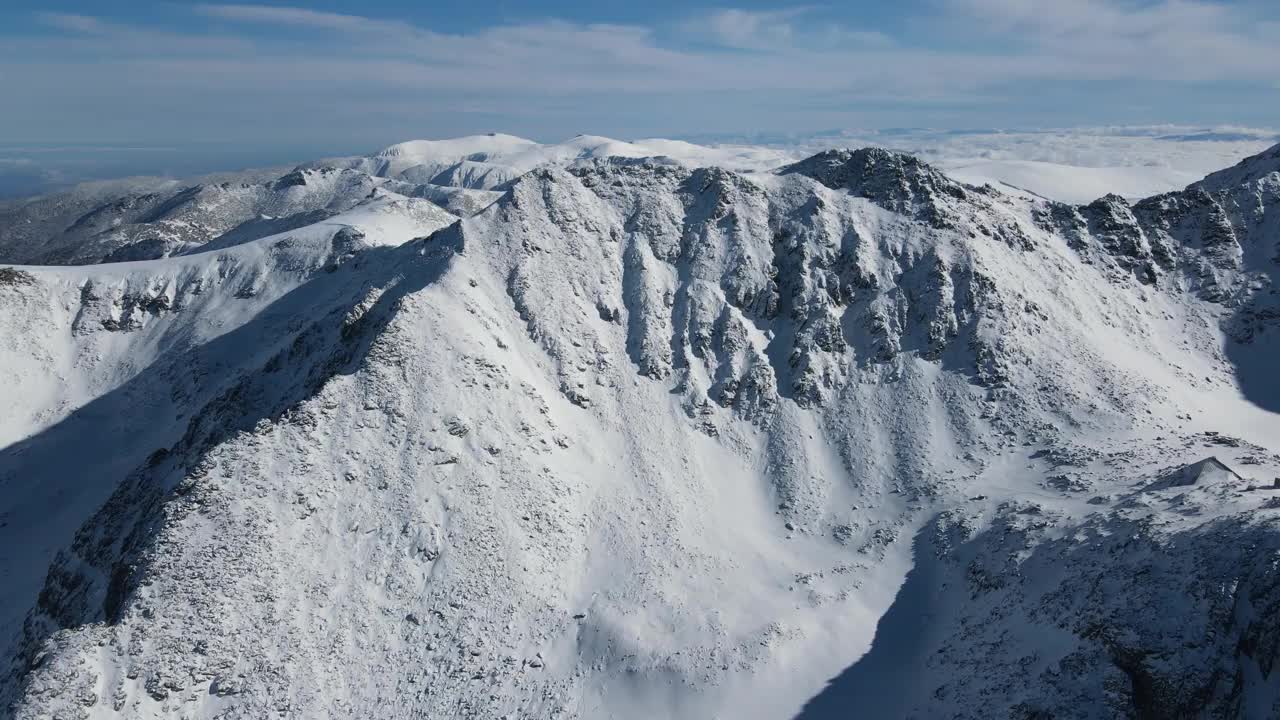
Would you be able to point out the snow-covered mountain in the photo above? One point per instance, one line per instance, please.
(150, 218)
(641, 437)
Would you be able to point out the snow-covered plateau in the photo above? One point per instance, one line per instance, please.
(485, 428)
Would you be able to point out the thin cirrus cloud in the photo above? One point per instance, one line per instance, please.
(82, 35)
(779, 31)
(1173, 40)
(795, 67)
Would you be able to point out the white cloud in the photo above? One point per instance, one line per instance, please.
(1165, 40)
(779, 31)
(1068, 39)
(85, 35)
(72, 23)
(302, 17)
(745, 29)
(787, 66)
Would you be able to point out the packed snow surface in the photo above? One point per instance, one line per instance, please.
(488, 428)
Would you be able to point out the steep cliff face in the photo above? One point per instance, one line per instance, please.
(639, 439)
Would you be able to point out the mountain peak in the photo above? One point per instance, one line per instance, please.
(1245, 172)
(852, 168)
(894, 180)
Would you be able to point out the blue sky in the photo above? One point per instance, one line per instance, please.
(332, 77)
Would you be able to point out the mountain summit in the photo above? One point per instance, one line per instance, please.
(510, 430)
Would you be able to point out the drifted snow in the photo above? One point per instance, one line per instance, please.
(640, 439)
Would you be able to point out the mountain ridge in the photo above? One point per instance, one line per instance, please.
(525, 463)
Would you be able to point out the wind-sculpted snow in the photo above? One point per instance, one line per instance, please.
(638, 439)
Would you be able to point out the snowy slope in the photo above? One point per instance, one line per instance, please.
(641, 439)
(152, 218)
(150, 222)
(487, 162)
(112, 360)
(1070, 183)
